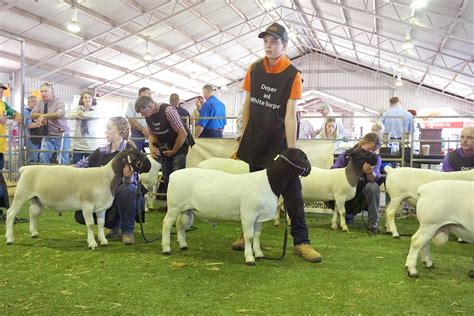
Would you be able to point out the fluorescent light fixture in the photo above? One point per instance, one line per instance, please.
(73, 25)
(193, 75)
(418, 4)
(147, 56)
(398, 81)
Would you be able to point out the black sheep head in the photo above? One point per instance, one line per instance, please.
(297, 160)
(363, 156)
(135, 158)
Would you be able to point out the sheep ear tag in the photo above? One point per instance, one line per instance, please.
(129, 160)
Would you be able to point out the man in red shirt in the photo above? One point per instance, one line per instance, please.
(272, 86)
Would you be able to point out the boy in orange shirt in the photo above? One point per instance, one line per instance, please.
(272, 86)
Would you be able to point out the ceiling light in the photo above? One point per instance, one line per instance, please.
(193, 75)
(224, 88)
(292, 34)
(402, 67)
(407, 43)
(73, 26)
(147, 56)
(418, 4)
(267, 4)
(398, 81)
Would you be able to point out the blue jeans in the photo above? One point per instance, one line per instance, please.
(293, 200)
(78, 155)
(125, 198)
(54, 144)
(140, 143)
(372, 196)
(32, 155)
(169, 165)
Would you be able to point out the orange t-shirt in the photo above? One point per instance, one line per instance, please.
(281, 64)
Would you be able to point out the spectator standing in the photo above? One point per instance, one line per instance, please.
(50, 114)
(183, 113)
(396, 120)
(85, 132)
(326, 111)
(33, 133)
(212, 115)
(139, 129)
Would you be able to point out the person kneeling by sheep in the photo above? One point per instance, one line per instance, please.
(368, 191)
(120, 218)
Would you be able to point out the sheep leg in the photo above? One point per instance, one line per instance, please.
(35, 210)
(182, 222)
(276, 219)
(418, 241)
(248, 229)
(100, 228)
(426, 256)
(334, 218)
(168, 221)
(390, 226)
(341, 207)
(89, 219)
(11, 214)
(256, 241)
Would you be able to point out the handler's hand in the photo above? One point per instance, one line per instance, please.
(169, 153)
(368, 169)
(127, 170)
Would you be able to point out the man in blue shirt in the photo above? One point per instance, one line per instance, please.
(394, 125)
(212, 115)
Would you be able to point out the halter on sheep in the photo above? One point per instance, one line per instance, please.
(68, 188)
(250, 198)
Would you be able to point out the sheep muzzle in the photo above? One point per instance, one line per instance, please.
(298, 159)
(138, 161)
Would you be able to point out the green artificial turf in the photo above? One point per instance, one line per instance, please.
(360, 274)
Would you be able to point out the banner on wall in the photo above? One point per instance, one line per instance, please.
(437, 118)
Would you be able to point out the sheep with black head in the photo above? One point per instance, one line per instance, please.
(67, 188)
(217, 196)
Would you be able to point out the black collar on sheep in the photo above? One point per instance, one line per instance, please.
(289, 164)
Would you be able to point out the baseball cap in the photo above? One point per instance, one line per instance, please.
(323, 106)
(3, 86)
(275, 30)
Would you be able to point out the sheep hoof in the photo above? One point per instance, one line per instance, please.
(334, 227)
(166, 253)
(396, 236)
(431, 267)
(412, 275)
(250, 263)
(10, 243)
(35, 236)
(184, 248)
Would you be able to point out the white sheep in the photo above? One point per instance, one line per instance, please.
(443, 206)
(68, 188)
(402, 184)
(150, 181)
(236, 166)
(228, 165)
(337, 185)
(250, 198)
